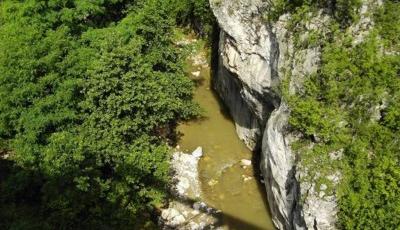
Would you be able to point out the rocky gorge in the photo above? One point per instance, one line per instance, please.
(209, 182)
(256, 56)
(200, 114)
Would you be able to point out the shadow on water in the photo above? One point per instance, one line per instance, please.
(198, 82)
(214, 71)
(222, 218)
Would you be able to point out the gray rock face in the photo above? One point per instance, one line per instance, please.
(251, 52)
(254, 58)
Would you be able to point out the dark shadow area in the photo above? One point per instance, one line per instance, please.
(23, 202)
(198, 81)
(215, 56)
(223, 218)
(223, 107)
(256, 161)
(292, 184)
(169, 133)
(30, 200)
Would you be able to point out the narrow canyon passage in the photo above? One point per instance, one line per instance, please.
(227, 177)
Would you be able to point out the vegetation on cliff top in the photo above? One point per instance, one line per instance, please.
(351, 107)
(89, 91)
(343, 11)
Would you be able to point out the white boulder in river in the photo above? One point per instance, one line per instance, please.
(186, 211)
(186, 177)
(198, 152)
(245, 162)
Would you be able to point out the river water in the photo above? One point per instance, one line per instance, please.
(228, 184)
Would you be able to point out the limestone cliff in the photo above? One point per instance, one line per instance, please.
(255, 55)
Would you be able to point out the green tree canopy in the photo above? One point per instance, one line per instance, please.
(88, 91)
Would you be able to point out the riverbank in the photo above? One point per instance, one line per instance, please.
(228, 180)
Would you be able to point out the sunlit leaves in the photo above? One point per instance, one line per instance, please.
(86, 87)
(352, 103)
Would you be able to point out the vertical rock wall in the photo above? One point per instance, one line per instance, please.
(248, 79)
(254, 58)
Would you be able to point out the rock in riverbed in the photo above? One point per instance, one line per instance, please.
(196, 74)
(245, 162)
(198, 152)
(185, 210)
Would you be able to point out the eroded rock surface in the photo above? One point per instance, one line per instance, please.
(255, 56)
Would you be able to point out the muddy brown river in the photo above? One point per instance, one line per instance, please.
(228, 182)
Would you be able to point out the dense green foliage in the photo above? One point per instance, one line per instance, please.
(344, 11)
(352, 106)
(198, 14)
(89, 92)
